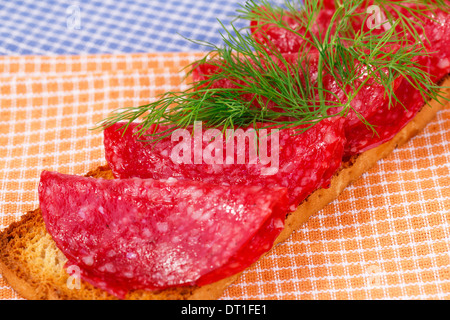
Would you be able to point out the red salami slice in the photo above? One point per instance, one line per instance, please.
(387, 121)
(436, 37)
(301, 162)
(147, 234)
(284, 40)
(365, 105)
(371, 103)
(391, 118)
(364, 18)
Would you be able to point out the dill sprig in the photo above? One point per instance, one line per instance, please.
(271, 89)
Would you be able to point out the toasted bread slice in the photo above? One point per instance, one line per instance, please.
(33, 265)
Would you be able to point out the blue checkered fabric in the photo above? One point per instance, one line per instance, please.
(58, 27)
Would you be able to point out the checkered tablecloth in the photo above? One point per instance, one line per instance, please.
(386, 237)
(60, 27)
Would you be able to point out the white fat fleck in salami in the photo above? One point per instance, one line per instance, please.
(150, 234)
(443, 63)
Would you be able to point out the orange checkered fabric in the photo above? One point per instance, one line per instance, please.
(386, 237)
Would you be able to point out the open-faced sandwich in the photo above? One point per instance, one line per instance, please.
(201, 183)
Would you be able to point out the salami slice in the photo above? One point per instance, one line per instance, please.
(370, 100)
(371, 103)
(301, 162)
(387, 121)
(148, 234)
(436, 37)
(284, 40)
(391, 118)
